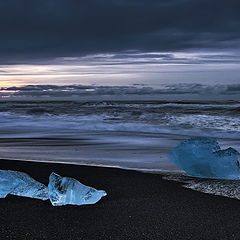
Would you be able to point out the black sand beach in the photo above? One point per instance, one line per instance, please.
(138, 206)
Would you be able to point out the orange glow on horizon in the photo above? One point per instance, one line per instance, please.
(10, 83)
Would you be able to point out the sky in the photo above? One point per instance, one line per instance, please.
(150, 43)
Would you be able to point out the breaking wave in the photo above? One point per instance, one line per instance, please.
(218, 119)
(136, 91)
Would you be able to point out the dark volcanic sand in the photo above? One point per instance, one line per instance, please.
(138, 206)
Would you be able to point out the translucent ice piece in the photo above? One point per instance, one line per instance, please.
(65, 190)
(202, 157)
(21, 184)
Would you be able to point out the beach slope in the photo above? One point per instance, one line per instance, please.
(138, 206)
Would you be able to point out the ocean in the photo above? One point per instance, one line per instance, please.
(124, 134)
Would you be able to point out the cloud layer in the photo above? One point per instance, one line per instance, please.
(57, 28)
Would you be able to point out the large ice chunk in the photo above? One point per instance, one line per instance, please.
(202, 157)
(65, 190)
(21, 184)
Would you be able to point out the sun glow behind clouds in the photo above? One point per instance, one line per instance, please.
(9, 83)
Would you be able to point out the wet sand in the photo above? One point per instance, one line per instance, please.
(138, 206)
(124, 150)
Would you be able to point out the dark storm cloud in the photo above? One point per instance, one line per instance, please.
(53, 28)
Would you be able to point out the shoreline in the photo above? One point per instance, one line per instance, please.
(138, 206)
(146, 154)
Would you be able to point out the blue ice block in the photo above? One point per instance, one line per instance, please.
(202, 157)
(21, 184)
(65, 190)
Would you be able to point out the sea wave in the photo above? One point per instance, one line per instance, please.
(67, 118)
(223, 91)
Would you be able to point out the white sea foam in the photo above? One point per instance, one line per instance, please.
(15, 124)
(226, 188)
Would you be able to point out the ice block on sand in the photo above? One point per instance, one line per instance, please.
(65, 190)
(21, 184)
(202, 157)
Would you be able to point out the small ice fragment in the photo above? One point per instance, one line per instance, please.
(65, 190)
(21, 184)
(202, 157)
